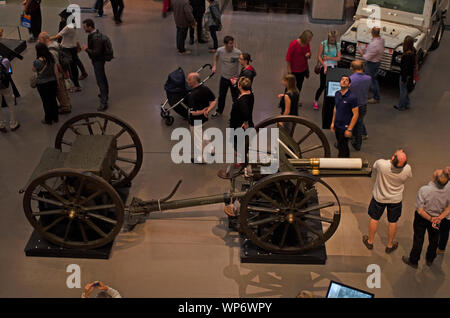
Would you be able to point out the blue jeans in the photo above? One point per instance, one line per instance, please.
(403, 101)
(102, 81)
(213, 32)
(371, 69)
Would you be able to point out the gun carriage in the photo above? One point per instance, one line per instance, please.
(71, 198)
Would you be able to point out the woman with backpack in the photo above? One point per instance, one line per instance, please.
(6, 96)
(213, 22)
(46, 82)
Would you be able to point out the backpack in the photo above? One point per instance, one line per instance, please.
(4, 75)
(107, 47)
(108, 52)
(64, 58)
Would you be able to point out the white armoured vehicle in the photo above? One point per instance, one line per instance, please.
(424, 20)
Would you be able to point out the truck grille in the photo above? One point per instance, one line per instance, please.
(386, 61)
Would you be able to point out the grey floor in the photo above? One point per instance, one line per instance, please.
(190, 253)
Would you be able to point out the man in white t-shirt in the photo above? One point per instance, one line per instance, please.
(388, 193)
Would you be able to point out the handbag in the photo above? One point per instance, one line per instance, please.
(33, 80)
(34, 77)
(25, 20)
(317, 68)
(410, 84)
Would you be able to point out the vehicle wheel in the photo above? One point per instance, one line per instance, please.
(289, 213)
(169, 121)
(129, 147)
(438, 38)
(73, 209)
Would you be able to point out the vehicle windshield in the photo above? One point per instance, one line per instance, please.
(413, 6)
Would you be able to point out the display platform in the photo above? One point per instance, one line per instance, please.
(253, 254)
(11, 48)
(38, 247)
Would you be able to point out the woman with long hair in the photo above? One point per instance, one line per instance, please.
(328, 56)
(407, 68)
(297, 57)
(47, 85)
(289, 99)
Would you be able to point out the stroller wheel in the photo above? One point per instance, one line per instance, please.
(164, 113)
(169, 120)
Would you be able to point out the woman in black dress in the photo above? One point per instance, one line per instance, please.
(289, 100)
(241, 117)
(242, 109)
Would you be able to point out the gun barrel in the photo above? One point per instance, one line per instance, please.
(333, 166)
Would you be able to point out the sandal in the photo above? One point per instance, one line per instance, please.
(366, 242)
(389, 250)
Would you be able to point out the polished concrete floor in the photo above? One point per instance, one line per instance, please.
(190, 253)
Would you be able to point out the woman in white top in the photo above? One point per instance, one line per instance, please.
(70, 48)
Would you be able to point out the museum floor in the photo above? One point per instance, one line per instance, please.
(190, 253)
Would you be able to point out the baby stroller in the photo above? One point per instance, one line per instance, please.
(177, 91)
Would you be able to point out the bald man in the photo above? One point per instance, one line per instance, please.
(432, 204)
(62, 96)
(388, 193)
(360, 87)
(201, 101)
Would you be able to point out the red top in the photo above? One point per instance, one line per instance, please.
(296, 56)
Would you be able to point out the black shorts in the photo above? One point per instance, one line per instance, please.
(376, 210)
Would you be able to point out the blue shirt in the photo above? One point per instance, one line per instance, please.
(344, 109)
(360, 87)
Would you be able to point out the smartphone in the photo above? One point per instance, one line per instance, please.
(96, 284)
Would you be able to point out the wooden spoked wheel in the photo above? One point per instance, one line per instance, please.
(289, 213)
(73, 209)
(308, 140)
(129, 146)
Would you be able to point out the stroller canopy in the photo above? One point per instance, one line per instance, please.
(176, 83)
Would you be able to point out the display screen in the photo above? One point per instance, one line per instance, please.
(333, 87)
(337, 290)
(412, 6)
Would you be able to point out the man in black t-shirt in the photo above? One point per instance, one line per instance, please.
(201, 101)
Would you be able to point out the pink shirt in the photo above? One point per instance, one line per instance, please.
(375, 50)
(296, 56)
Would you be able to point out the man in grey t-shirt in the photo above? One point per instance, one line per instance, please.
(432, 205)
(388, 193)
(228, 57)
